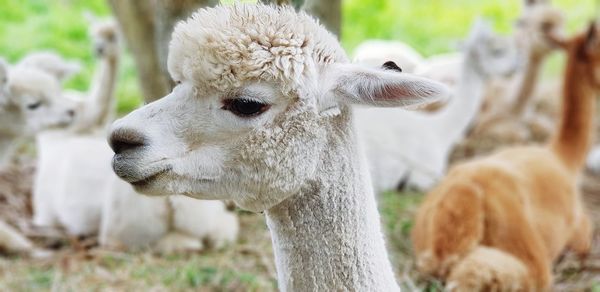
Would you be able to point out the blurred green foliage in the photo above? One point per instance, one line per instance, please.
(436, 26)
(431, 26)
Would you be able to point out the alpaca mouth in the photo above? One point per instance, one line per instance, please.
(149, 179)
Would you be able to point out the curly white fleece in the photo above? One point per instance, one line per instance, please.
(219, 48)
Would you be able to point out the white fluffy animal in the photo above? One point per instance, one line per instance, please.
(413, 147)
(65, 191)
(377, 52)
(29, 102)
(262, 116)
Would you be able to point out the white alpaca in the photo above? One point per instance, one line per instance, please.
(64, 192)
(413, 147)
(52, 63)
(377, 52)
(29, 102)
(262, 116)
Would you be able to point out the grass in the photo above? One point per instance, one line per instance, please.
(246, 266)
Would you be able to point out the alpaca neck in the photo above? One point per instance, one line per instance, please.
(98, 108)
(328, 236)
(526, 85)
(454, 119)
(575, 132)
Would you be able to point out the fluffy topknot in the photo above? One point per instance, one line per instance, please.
(225, 46)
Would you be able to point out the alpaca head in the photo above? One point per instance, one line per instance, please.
(538, 19)
(105, 37)
(34, 97)
(493, 55)
(261, 91)
(51, 63)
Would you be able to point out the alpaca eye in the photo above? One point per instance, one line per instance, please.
(245, 107)
(34, 106)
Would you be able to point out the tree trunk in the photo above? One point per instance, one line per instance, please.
(147, 27)
(167, 14)
(328, 11)
(136, 19)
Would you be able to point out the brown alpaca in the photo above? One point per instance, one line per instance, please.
(498, 223)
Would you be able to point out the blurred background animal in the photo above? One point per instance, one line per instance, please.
(501, 221)
(415, 146)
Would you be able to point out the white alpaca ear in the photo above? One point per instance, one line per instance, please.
(355, 84)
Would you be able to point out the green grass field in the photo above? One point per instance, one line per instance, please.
(431, 26)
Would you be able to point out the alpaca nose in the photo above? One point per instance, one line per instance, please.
(71, 113)
(124, 139)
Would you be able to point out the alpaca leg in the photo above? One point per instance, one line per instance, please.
(489, 269)
(448, 228)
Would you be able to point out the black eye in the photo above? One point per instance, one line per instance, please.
(33, 106)
(245, 107)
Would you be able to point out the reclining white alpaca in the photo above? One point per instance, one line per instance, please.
(77, 189)
(65, 190)
(413, 147)
(29, 102)
(262, 116)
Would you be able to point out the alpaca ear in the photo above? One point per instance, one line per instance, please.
(355, 84)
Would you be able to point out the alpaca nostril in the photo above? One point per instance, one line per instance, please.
(71, 113)
(126, 139)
